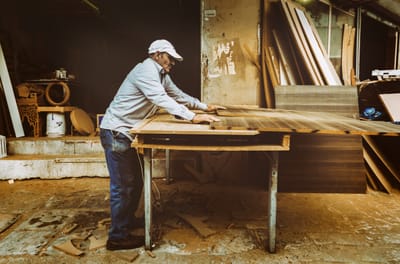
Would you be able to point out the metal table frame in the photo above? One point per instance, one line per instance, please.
(145, 143)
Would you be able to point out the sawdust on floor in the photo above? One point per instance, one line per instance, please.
(316, 228)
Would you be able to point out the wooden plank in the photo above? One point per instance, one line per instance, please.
(259, 147)
(319, 163)
(268, 90)
(275, 63)
(10, 97)
(377, 171)
(322, 162)
(325, 66)
(341, 100)
(282, 55)
(168, 124)
(345, 51)
(5, 119)
(371, 181)
(301, 42)
(57, 109)
(271, 71)
(198, 224)
(279, 120)
(392, 105)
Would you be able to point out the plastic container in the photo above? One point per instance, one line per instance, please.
(55, 125)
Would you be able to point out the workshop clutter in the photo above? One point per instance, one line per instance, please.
(47, 101)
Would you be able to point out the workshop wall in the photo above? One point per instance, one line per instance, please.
(230, 44)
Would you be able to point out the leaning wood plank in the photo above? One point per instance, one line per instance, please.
(382, 157)
(268, 90)
(326, 67)
(283, 59)
(345, 41)
(392, 105)
(320, 44)
(275, 63)
(298, 44)
(5, 119)
(350, 57)
(10, 97)
(378, 173)
(270, 66)
(301, 42)
(198, 224)
(371, 181)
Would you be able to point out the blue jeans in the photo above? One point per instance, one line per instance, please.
(123, 163)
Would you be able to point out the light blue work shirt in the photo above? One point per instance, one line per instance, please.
(142, 93)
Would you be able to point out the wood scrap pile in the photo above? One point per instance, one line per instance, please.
(293, 53)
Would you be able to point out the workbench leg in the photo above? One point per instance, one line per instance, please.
(272, 201)
(167, 166)
(147, 198)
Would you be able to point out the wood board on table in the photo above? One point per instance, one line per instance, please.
(281, 120)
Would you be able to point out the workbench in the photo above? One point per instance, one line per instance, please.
(264, 130)
(166, 132)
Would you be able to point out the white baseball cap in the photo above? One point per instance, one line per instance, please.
(162, 45)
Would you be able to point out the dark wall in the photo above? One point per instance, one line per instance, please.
(98, 48)
(377, 47)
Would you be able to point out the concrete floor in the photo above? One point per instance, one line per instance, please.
(311, 228)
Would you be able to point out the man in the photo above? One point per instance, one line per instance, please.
(145, 89)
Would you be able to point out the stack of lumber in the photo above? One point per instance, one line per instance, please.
(298, 75)
(322, 162)
(298, 58)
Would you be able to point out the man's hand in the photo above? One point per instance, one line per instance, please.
(204, 118)
(211, 108)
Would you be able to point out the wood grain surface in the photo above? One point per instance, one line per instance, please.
(280, 120)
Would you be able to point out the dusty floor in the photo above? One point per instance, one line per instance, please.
(311, 228)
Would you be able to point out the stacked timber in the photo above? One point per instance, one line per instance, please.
(298, 58)
(298, 75)
(321, 162)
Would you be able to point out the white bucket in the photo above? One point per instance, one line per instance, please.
(55, 125)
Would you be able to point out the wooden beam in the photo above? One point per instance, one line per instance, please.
(301, 42)
(325, 66)
(378, 173)
(10, 97)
